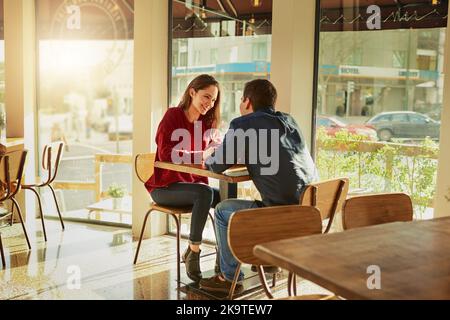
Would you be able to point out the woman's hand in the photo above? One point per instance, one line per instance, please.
(208, 152)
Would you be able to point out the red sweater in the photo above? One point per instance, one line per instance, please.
(175, 118)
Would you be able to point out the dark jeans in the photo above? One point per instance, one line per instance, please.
(200, 196)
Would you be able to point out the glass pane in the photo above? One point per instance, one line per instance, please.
(230, 40)
(384, 75)
(2, 77)
(85, 100)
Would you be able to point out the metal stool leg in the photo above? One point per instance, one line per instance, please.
(214, 230)
(2, 253)
(12, 216)
(21, 221)
(142, 235)
(177, 221)
(57, 207)
(235, 280)
(262, 279)
(40, 210)
(294, 283)
(290, 284)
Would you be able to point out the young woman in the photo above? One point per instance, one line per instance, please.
(198, 111)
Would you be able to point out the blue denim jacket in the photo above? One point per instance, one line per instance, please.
(273, 148)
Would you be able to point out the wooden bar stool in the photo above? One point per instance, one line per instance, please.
(144, 167)
(51, 158)
(11, 172)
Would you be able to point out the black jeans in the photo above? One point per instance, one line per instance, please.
(200, 196)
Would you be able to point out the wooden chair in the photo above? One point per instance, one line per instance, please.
(327, 196)
(248, 228)
(144, 170)
(11, 172)
(51, 158)
(362, 211)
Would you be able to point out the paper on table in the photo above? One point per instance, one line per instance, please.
(239, 172)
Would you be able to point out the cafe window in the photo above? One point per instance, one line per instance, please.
(230, 40)
(399, 58)
(85, 99)
(233, 49)
(2, 75)
(382, 147)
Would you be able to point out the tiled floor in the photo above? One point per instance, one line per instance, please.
(101, 257)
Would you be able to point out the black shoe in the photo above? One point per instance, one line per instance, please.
(217, 265)
(192, 262)
(214, 284)
(267, 269)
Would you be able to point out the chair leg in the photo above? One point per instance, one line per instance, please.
(40, 209)
(142, 235)
(2, 253)
(274, 280)
(262, 279)
(21, 221)
(57, 207)
(12, 216)
(294, 284)
(214, 230)
(234, 283)
(177, 221)
(290, 284)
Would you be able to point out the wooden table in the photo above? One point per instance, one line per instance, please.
(413, 257)
(11, 144)
(227, 181)
(123, 206)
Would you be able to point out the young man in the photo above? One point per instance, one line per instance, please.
(272, 147)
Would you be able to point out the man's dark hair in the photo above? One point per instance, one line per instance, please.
(261, 93)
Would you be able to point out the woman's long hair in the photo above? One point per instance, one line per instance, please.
(212, 118)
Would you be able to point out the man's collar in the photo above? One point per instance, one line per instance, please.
(266, 110)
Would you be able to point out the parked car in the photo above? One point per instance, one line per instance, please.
(333, 124)
(404, 124)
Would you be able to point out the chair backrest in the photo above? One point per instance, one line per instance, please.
(51, 157)
(11, 171)
(362, 211)
(327, 196)
(144, 166)
(248, 228)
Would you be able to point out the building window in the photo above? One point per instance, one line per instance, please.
(214, 56)
(381, 98)
(259, 51)
(399, 58)
(355, 57)
(2, 59)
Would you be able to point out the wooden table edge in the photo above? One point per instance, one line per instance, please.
(271, 258)
(201, 172)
